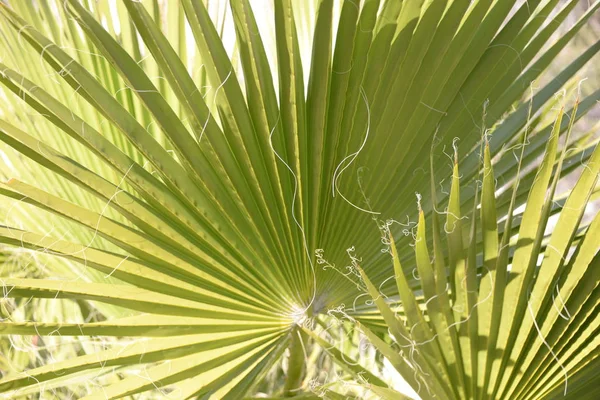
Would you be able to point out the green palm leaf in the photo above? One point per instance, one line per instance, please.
(197, 173)
(510, 331)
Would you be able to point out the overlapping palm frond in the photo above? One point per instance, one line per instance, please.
(208, 168)
(519, 320)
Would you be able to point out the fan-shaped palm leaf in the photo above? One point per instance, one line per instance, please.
(521, 319)
(205, 169)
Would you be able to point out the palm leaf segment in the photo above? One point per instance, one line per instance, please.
(222, 183)
(520, 334)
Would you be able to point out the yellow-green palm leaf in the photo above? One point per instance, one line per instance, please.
(204, 170)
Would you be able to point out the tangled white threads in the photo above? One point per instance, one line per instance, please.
(466, 108)
(82, 250)
(367, 302)
(339, 310)
(316, 387)
(384, 230)
(446, 212)
(437, 295)
(319, 256)
(420, 375)
(350, 158)
(127, 87)
(511, 48)
(556, 294)
(221, 85)
(354, 263)
(304, 240)
(434, 109)
(412, 346)
(409, 225)
(385, 281)
(543, 339)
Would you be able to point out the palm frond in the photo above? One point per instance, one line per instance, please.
(514, 319)
(205, 170)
